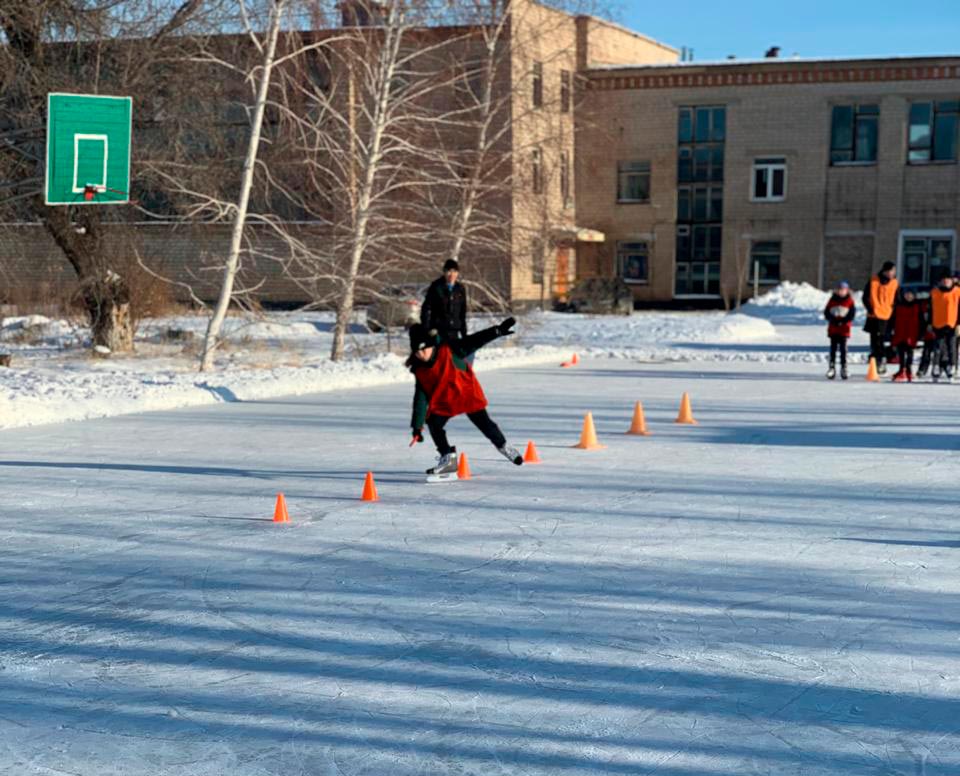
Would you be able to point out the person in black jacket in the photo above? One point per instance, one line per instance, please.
(445, 305)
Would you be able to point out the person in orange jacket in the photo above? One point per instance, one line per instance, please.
(879, 296)
(944, 304)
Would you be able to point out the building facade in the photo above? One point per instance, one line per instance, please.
(706, 178)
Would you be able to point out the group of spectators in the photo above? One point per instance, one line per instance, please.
(898, 322)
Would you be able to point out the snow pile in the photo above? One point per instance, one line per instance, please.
(81, 390)
(790, 304)
(645, 329)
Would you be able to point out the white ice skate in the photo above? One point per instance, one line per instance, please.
(446, 468)
(511, 454)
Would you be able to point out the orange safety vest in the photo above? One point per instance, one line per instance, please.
(882, 297)
(944, 305)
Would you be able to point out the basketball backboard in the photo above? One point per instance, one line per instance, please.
(88, 149)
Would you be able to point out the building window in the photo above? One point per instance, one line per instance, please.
(765, 263)
(933, 132)
(926, 259)
(565, 178)
(699, 204)
(633, 182)
(853, 134)
(632, 262)
(769, 180)
(536, 171)
(537, 84)
(701, 139)
(565, 91)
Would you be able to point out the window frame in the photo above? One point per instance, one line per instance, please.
(754, 253)
(537, 85)
(566, 90)
(931, 146)
(565, 179)
(536, 170)
(623, 174)
(866, 110)
(771, 164)
(623, 252)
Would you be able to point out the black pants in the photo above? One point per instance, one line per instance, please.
(946, 338)
(480, 419)
(930, 351)
(906, 357)
(838, 344)
(877, 336)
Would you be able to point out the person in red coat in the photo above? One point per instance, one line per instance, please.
(909, 325)
(839, 312)
(447, 386)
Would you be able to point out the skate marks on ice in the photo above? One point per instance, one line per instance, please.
(685, 610)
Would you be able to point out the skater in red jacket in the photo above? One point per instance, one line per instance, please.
(447, 386)
(909, 325)
(839, 312)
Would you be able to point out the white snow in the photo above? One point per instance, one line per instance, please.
(54, 378)
(775, 591)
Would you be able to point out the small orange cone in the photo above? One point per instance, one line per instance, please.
(686, 414)
(463, 468)
(531, 455)
(872, 374)
(572, 362)
(639, 425)
(588, 437)
(280, 510)
(369, 489)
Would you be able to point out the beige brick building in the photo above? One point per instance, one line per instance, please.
(816, 170)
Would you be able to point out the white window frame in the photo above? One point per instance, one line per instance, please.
(770, 164)
(645, 241)
(906, 234)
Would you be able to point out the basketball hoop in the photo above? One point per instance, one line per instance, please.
(88, 193)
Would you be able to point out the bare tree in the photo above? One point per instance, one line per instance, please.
(85, 47)
(246, 183)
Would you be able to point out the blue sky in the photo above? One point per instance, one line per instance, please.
(810, 28)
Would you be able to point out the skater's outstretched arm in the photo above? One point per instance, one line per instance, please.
(474, 342)
(419, 417)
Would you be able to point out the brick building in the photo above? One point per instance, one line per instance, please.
(680, 178)
(812, 170)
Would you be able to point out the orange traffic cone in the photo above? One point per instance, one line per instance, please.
(531, 455)
(588, 437)
(369, 489)
(639, 425)
(686, 414)
(280, 510)
(572, 362)
(463, 468)
(872, 375)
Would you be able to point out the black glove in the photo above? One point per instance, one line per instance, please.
(505, 326)
(417, 436)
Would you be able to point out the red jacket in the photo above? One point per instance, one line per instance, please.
(840, 312)
(909, 324)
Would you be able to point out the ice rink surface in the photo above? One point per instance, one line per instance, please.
(775, 591)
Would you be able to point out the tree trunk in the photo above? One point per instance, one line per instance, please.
(212, 339)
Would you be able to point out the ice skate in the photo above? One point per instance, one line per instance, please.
(843, 372)
(446, 468)
(511, 454)
(831, 372)
(900, 377)
(881, 367)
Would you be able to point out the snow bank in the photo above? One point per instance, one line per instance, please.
(96, 389)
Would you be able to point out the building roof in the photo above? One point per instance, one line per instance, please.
(904, 59)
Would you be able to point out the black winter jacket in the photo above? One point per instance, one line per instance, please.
(445, 310)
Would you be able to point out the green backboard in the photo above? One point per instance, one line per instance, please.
(88, 149)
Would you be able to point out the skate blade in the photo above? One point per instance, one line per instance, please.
(442, 477)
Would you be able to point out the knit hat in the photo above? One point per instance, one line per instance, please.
(842, 284)
(450, 264)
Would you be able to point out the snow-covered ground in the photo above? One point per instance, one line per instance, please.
(55, 379)
(775, 591)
